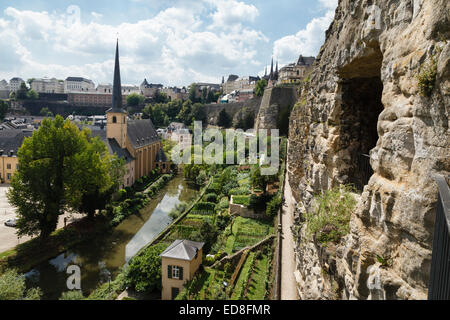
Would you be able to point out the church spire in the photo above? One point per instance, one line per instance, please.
(117, 86)
(271, 70)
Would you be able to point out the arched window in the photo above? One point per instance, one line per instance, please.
(114, 119)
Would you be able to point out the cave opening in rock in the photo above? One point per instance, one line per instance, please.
(361, 89)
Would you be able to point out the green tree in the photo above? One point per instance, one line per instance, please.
(32, 95)
(173, 109)
(185, 112)
(45, 112)
(211, 97)
(260, 87)
(21, 94)
(198, 112)
(49, 179)
(3, 109)
(144, 271)
(12, 287)
(98, 176)
(134, 100)
(224, 119)
(192, 93)
(159, 117)
(160, 97)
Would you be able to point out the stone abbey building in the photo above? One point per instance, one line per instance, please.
(137, 141)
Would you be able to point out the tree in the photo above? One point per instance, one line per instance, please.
(185, 112)
(159, 116)
(32, 95)
(21, 94)
(260, 86)
(45, 112)
(249, 121)
(193, 93)
(58, 166)
(173, 109)
(144, 271)
(257, 180)
(98, 176)
(134, 100)
(198, 112)
(224, 119)
(12, 287)
(160, 97)
(211, 97)
(3, 109)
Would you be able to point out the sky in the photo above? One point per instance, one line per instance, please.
(173, 42)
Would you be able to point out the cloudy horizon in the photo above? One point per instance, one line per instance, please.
(170, 42)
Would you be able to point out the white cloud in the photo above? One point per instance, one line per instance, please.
(232, 13)
(306, 41)
(96, 15)
(174, 47)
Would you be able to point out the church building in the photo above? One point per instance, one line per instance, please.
(136, 141)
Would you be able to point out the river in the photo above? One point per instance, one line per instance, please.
(108, 253)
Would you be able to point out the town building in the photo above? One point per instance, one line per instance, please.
(91, 99)
(45, 85)
(295, 72)
(230, 85)
(182, 137)
(149, 89)
(10, 142)
(78, 84)
(174, 93)
(135, 141)
(180, 261)
(15, 83)
(4, 89)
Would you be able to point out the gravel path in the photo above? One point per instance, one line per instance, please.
(288, 283)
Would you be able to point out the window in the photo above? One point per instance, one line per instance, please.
(114, 119)
(8, 166)
(8, 177)
(175, 271)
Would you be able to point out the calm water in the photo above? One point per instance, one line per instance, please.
(109, 253)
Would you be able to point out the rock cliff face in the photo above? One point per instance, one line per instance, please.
(364, 103)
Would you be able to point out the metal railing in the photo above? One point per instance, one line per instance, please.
(439, 286)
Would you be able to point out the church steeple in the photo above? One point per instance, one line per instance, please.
(117, 86)
(271, 70)
(276, 72)
(116, 117)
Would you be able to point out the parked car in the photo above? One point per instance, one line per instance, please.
(11, 223)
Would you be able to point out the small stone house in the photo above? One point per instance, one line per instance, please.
(180, 262)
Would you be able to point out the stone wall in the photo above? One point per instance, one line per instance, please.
(274, 100)
(364, 98)
(234, 109)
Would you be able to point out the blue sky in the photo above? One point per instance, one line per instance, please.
(174, 42)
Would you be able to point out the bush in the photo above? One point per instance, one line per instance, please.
(274, 205)
(211, 197)
(331, 219)
(426, 78)
(12, 287)
(72, 295)
(144, 271)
